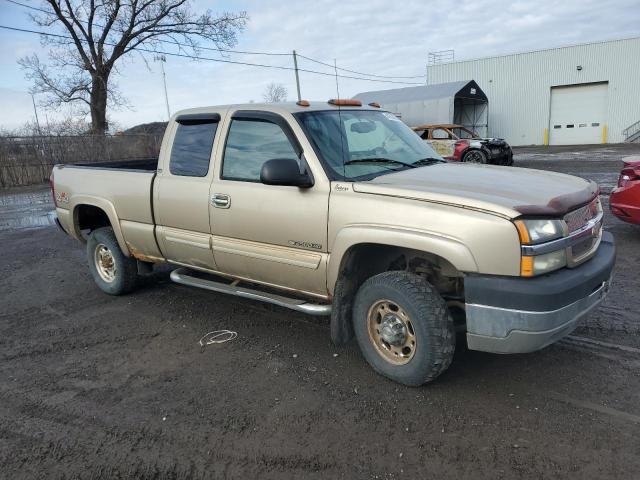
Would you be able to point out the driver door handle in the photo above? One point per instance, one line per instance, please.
(220, 200)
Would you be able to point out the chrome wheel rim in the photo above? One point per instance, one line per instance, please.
(391, 332)
(105, 263)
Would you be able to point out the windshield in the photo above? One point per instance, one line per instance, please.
(362, 144)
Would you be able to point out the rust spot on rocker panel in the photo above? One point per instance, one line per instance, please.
(139, 255)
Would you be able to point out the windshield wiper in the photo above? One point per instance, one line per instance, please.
(428, 161)
(379, 160)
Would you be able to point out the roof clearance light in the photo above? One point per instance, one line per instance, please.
(302, 103)
(374, 105)
(342, 102)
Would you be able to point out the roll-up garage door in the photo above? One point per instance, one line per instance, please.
(578, 114)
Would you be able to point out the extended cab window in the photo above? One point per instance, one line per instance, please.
(191, 148)
(250, 143)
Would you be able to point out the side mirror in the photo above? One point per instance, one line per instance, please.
(284, 171)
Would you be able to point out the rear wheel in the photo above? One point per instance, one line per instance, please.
(474, 156)
(112, 271)
(403, 327)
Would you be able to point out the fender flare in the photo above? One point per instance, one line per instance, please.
(107, 207)
(448, 248)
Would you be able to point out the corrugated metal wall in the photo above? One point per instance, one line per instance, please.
(419, 112)
(519, 86)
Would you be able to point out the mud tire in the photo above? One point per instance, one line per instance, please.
(430, 319)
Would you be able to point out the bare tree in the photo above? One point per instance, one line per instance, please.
(102, 32)
(274, 93)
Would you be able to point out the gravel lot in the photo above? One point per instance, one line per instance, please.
(93, 386)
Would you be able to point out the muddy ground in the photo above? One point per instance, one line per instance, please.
(93, 386)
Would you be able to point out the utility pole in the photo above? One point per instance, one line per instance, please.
(295, 66)
(35, 111)
(162, 59)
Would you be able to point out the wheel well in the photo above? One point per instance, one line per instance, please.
(90, 217)
(365, 260)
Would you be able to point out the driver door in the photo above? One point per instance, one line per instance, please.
(276, 235)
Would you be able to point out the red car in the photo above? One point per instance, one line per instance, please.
(625, 198)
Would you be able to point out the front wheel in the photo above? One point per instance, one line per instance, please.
(475, 156)
(112, 271)
(403, 327)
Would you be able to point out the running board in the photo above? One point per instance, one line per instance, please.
(184, 277)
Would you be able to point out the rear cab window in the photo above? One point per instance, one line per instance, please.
(192, 145)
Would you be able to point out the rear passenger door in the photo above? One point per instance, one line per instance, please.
(272, 234)
(181, 193)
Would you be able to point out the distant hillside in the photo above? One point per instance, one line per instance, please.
(153, 128)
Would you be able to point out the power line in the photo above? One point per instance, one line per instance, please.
(219, 60)
(358, 73)
(245, 52)
(172, 42)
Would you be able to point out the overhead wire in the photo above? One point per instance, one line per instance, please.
(171, 42)
(219, 60)
(248, 52)
(356, 72)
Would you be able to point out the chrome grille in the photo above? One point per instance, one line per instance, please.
(579, 218)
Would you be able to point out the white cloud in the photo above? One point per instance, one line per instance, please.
(374, 36)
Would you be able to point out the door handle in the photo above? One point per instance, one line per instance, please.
(220, 200)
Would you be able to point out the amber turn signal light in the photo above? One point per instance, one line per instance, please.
(526, 266)
(345, 102)
(523, 233)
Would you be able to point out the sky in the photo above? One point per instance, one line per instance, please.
(372, 36)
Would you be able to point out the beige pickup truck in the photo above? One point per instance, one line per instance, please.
(332, 208)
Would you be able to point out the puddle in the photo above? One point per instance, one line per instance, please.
(30, 208)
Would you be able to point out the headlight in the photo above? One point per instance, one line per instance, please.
(539, 231)
(534, 232)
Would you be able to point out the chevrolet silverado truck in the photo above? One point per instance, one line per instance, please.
(334, 208)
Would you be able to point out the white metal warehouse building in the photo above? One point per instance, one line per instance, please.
(580, 94)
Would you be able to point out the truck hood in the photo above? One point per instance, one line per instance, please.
(506, 191)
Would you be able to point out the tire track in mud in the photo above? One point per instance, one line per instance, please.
(602, 409)
(626, 356)
(63, 434)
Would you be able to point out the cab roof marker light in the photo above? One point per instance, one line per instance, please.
(303, 103)
(374, 105)
(345, 102)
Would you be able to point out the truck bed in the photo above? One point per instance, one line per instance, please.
(123, 187)
(143, 164)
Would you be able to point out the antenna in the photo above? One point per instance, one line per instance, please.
(335, 66)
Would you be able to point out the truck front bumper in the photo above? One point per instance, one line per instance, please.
(519, 315)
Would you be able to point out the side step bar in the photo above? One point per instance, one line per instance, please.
(184, 276)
